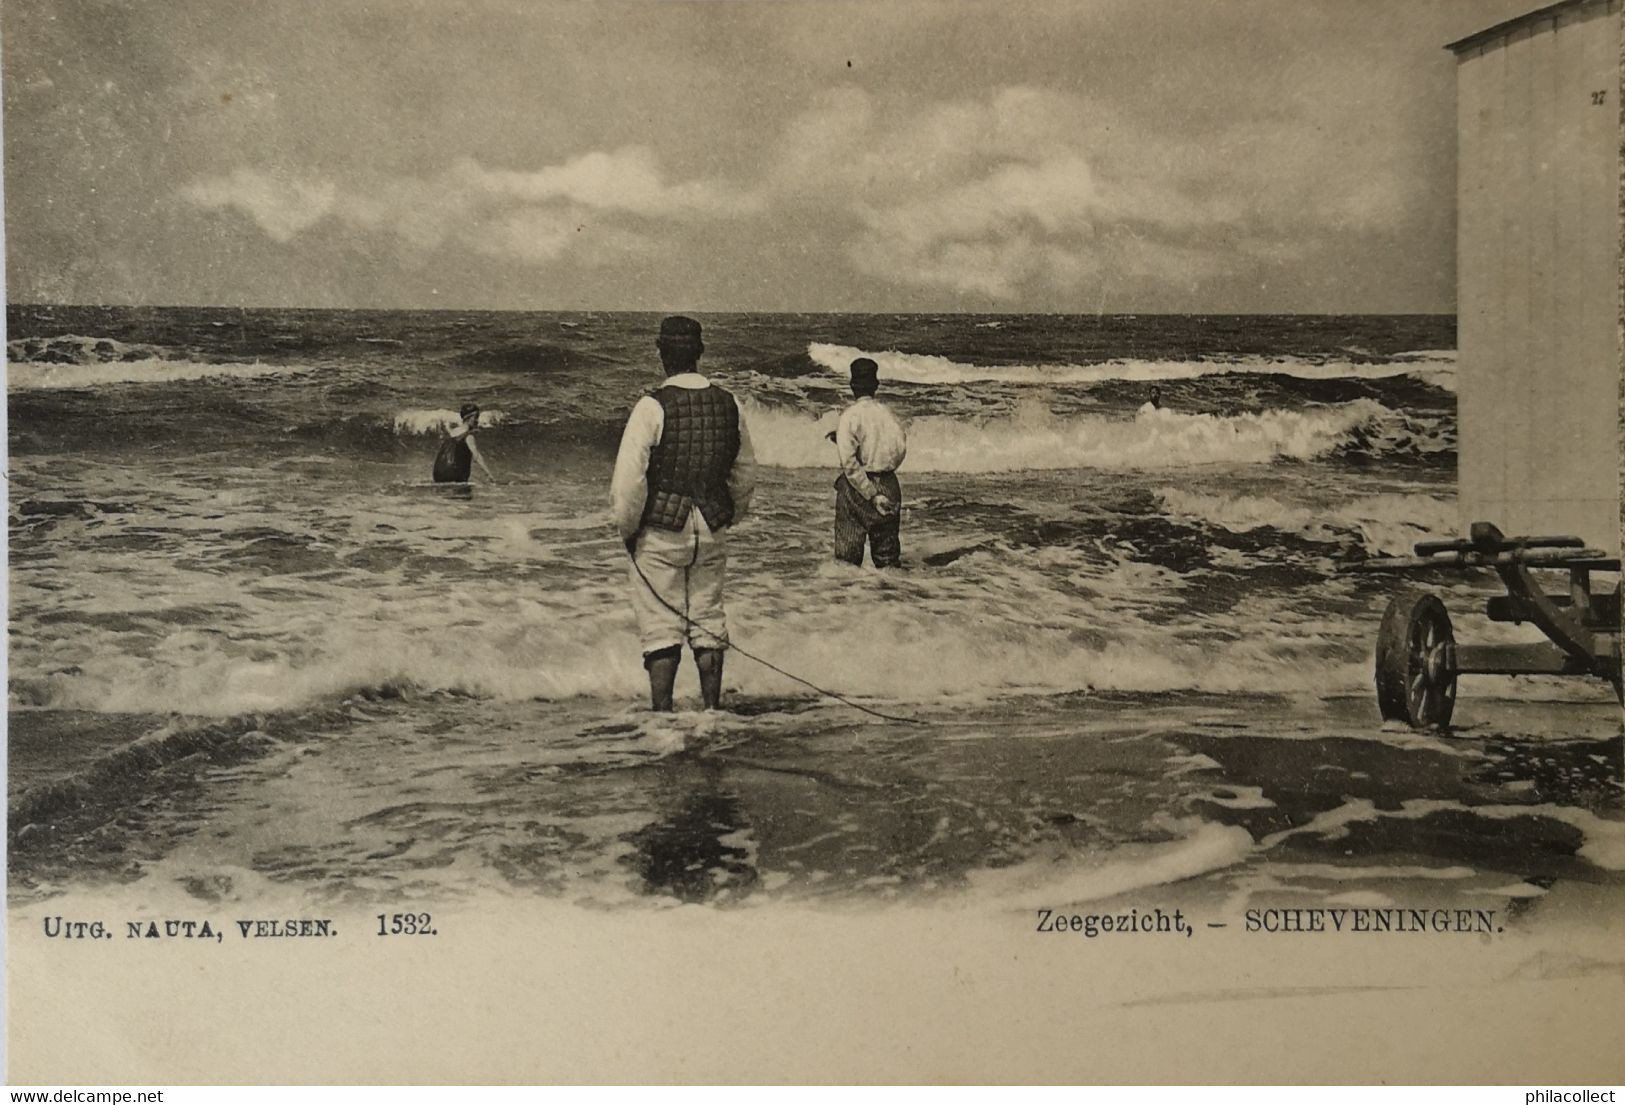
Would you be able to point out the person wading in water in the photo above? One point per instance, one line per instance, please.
(868, 500)
(457, 450)
(685, 472)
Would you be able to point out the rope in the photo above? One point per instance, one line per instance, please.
(730, 646)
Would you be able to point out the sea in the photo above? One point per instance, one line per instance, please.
(256, 653)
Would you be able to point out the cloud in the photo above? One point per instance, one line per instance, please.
(535, 234)
(539, 235)
(994, 266)
(628, 180)
(1019, 193)
(1031, 190)
(532, 216)
(283, 207)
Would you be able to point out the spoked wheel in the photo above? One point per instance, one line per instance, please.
(1416, 662)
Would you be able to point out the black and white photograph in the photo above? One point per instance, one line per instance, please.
(683, 500)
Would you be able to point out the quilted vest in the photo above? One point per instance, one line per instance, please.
(690, 466)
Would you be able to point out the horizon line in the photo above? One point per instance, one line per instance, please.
(719, 311)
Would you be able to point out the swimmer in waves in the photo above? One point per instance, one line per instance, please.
(458, 450)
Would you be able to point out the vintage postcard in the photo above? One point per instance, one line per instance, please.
(813, 541)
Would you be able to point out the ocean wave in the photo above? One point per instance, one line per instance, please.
(1387, 525)
(1436, 367)
(434, 421)
(1033, 438)
(111, 776)
(528, 358)
(81, 349)
(524, 650)
(67, 377)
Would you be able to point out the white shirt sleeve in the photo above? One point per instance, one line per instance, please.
(847, 439)
(898, 444)
(742, 477)
(629, 487)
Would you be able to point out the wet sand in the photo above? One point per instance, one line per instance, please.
(1083, 797)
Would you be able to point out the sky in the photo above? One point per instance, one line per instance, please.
(736, 155)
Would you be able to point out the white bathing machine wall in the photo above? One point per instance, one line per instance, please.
(1538, 276)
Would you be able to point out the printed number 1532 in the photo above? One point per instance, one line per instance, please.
(405, 924)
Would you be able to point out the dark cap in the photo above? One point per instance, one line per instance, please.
(468, 409)
(679, 332)
(863, 369)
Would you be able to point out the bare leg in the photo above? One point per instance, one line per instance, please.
(709, 661)
(662, 667)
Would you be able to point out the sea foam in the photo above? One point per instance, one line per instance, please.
(1389, 524)
(30, 376)
(434, 421)
(1032, 438)
(1436, 367)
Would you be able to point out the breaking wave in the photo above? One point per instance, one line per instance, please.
(75, 361)
(433, 421)
(530, 655)
(67, 377)
(1032, 438)
(1435, 366)
(1387, 524)
(78, 349)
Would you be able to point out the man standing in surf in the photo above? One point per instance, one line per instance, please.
(868, 500)
(684, 474)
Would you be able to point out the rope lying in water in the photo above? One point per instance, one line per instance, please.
(730, 646)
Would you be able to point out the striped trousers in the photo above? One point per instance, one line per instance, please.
(857, 521)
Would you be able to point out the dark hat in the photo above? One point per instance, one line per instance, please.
(679, 332)
(864, 369)
(468, 409)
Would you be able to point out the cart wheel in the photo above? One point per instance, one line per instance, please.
(1416, 662)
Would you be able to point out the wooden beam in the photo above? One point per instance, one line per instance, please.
(1539, 658)
(1593, 559)
(1560, 625)
(1465, 544)
(1602, 613)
